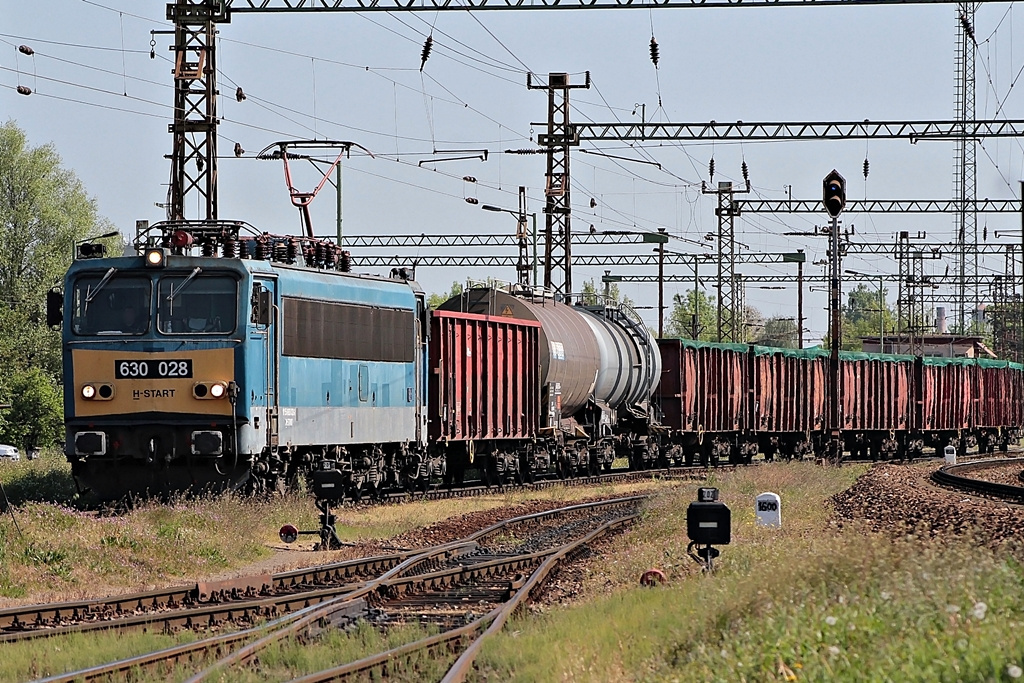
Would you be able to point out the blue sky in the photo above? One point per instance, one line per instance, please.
(105, 105)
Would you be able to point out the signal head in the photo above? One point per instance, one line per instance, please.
(834, 193)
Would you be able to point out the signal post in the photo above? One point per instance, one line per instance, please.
(834, 198)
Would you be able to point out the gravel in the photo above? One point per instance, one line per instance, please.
(900, 498)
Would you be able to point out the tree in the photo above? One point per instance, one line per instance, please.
(44, 210)
(435, 300)
(863, 317)
(778, 332)
(590, 294)
(680, 318)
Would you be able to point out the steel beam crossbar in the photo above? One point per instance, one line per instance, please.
(947, 280)
(361, 260)
(808, 130)
(881, 206)
(248, 6)
(493, 240)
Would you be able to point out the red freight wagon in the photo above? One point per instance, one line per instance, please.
(876, 402)
(790, 399)
(702, 394)
(484, 381)
(1000, 394)
(948, 396)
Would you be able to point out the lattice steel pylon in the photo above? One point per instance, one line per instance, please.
(1006, 314)
(965, 186)
(729, 310)
(914, 287)
(559, 138)
(194, 154)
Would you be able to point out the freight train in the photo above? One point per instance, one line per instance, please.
(218, 356)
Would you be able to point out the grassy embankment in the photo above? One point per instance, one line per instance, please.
(64, 552)
(56, 550)
(807, 603)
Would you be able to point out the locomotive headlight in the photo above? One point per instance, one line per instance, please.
(155, 258)
(210, 390)
(98, 392)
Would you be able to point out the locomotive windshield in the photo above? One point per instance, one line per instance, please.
(194, 303)
(110, 303)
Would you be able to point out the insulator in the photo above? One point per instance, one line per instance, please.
(525, 151)
(711, 169)
(281, 251)
(746, 172)
(984, 233)
(24, 90)
(472, 200)
(263, 248)
(318, 253)
(428, 45)
(654, 52)
(238, 149)
(331, 257)
(209, 249)
(239, 95)
(26, 50)
(593, 203)
(345, 264)
(229, 249)
(293, 251)
(200, 164)
(867, 168)
(968, 29)
(469, 178)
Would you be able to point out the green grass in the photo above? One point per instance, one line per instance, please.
(280, 661)
(46, 478)
(51, 656)
(806, 603)
(294, 658)
(59, 552)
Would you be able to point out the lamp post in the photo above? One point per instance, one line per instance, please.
(522, 268)
(881, 307)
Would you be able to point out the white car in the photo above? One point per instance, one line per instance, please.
(9, 453)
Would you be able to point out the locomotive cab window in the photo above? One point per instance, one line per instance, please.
(110, 304)
(193, 303)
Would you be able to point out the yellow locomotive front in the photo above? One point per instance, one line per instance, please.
(150, 390)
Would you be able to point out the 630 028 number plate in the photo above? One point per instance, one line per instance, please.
(152, 369)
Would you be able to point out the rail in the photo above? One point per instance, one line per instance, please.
(418, 569)
(953, 476)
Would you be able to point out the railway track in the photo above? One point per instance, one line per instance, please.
(613, 477)
(494, 570)
(956, 476)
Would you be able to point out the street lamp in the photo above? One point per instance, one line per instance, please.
(521, 215)
(881, 307)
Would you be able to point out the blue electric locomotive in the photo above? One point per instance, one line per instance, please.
(249, 361)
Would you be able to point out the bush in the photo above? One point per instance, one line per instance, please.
(36, 415)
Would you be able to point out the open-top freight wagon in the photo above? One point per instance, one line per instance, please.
(731, 401)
